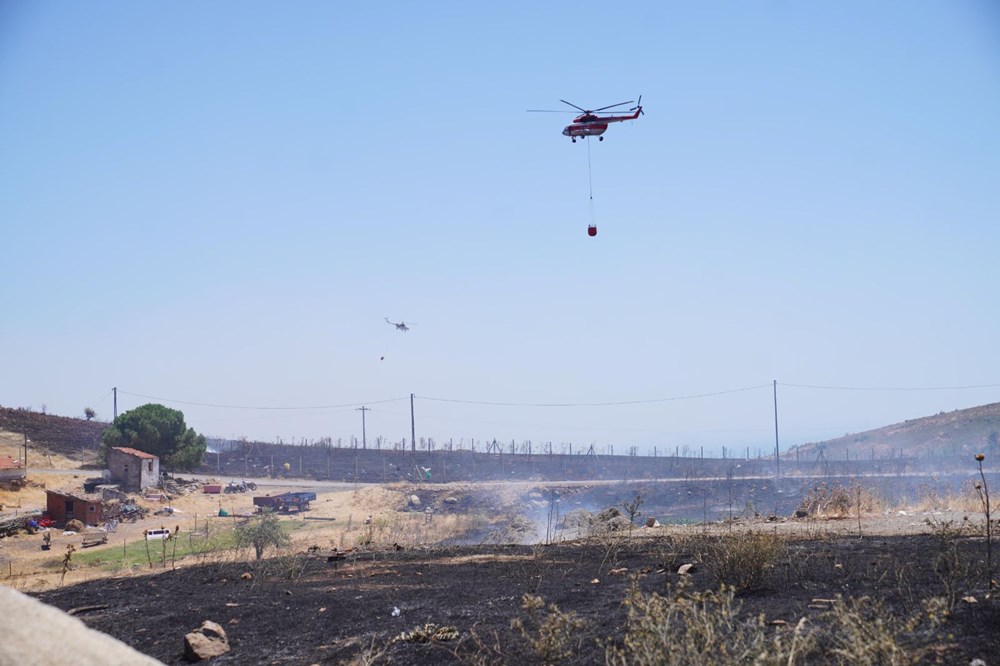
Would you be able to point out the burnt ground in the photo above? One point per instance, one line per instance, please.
(301, 610)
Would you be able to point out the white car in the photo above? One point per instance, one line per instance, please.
(157, 535)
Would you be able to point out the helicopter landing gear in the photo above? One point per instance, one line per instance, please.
(600, 138)
(574, 140)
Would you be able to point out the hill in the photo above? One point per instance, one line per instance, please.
(941, 436)
(946, 434)
(59, 434)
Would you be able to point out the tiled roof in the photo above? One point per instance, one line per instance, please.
(134, 452)
(7, 463)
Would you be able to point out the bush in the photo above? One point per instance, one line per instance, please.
(689, 628)
(261, 533)
(555, 636)
(743, 559)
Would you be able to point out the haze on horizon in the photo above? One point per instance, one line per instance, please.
(215, 206)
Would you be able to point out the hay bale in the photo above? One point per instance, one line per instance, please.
(74, 526)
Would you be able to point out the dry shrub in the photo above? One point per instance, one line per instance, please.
(689, 628)
(831, 501)
(553, 636)
(372, 653)
(861, 632)
(741, 559)
(955, 569)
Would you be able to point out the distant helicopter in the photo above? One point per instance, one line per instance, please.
(401, 326)
(594, 122)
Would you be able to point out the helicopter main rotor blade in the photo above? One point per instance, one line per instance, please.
(611, 106)
(548, 111)
(574, 106)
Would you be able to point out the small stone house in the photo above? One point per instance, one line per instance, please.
(11, 471)
(63, 507)
(133, 469)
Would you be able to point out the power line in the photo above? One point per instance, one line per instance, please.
(593, 404)
(314, 407)
(890, 388)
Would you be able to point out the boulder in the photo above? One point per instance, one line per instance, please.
(414, 500)
(207, 641)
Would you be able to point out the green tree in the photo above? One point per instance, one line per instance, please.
(158, 430)
(89, 412)
(261, 532)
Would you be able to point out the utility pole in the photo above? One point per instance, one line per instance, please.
(777, 456)
(115, 391)
(413, 428)
(364, 439)
(26, 450)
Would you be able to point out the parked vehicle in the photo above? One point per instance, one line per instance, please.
(285, 502)
(241, 487)
(157, 534)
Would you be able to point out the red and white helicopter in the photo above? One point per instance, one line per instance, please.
(594, 122)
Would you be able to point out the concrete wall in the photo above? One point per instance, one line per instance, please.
(132, 472)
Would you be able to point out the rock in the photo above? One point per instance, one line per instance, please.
(688, 568)
(414, 500)
(207, 641)
(74, 526)
(652, 522)
(451, 500)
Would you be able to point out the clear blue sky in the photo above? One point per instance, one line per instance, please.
(219, 202)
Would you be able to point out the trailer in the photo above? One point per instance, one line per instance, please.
(285, 502)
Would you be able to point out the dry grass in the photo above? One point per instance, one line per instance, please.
(12, 444)
(685, 627)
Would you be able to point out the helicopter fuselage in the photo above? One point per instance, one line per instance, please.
(590, 124)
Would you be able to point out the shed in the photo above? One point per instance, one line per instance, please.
(133, 469)
(65, 506)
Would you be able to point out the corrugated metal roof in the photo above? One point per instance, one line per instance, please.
(133, 452)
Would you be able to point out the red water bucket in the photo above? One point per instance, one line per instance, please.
(592, 230)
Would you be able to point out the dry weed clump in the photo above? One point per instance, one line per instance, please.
(861, 632)
(742, 560)
(553, 636)
(837, 501)
(685, 627)
(688, 628)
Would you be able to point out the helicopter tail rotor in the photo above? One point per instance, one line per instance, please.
(638, 107)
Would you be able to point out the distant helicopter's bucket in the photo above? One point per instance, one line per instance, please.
(592, 230)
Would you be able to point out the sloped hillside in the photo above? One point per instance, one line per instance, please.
(963, 431)
(59, 434)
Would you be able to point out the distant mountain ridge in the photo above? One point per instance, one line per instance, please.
(960, 432)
